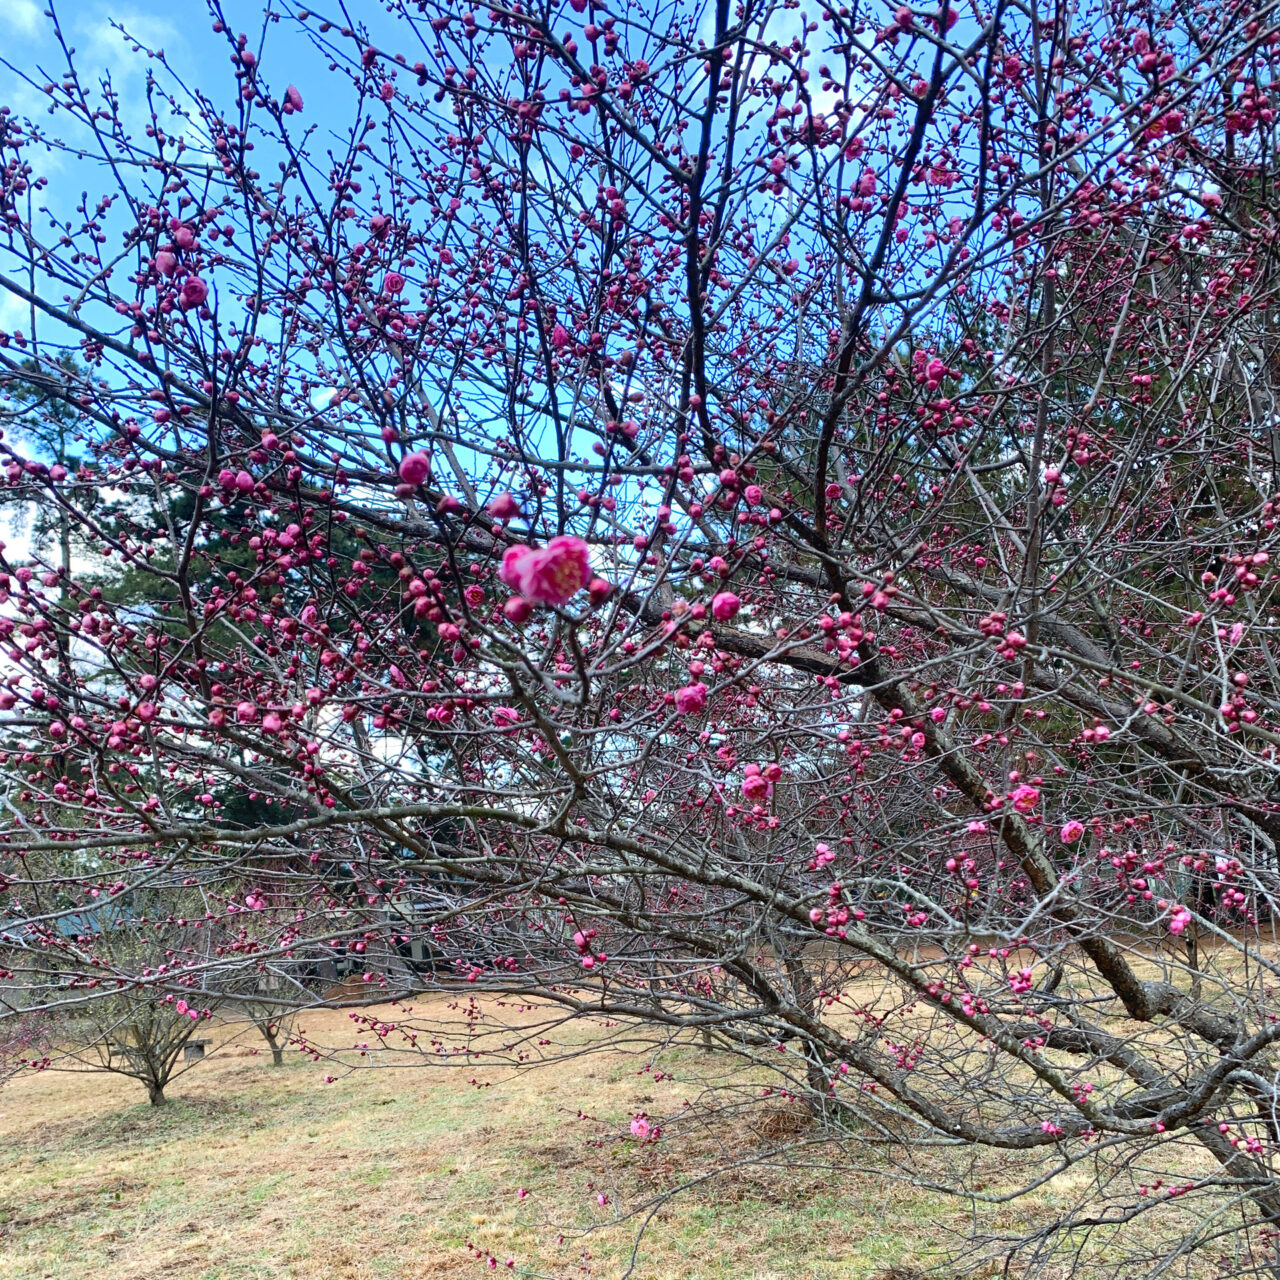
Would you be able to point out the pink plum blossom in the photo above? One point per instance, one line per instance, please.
(193, 294)
(415, 468)
(517, 609)
(754, 785)
(505, 506)
(725, 605)
(691, 699)
(1024, 798)
(551, 575)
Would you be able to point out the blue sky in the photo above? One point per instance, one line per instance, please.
(182, 29)
(200, 58)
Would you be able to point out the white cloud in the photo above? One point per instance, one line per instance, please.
(23, 17)
(111, 51)
(14, 313)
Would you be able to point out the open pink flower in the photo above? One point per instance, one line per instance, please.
(1024, 798)
(554, 574)
(504, 507)
(194, 292)
(510, 571)
(1071, 831)
(560, 570)
(691, 699)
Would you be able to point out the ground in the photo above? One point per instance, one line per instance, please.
(258, 1171)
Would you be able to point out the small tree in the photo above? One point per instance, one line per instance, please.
(115, 986)
(271, 1002)
(138, 1035)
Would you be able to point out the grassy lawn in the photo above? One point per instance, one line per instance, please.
(255, 1171)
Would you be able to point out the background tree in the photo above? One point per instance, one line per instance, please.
(114, 1020)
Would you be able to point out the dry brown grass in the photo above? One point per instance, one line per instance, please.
(254, 1171)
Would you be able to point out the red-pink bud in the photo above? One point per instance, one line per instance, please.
(517, 609)
(415, 468)
(725, 605)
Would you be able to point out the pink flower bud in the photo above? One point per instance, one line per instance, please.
(504, 507)
(691, 699)
(725, 605)
(517, 610)
(415, 468)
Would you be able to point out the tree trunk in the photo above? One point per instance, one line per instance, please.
(805, 994)
(155, 1093)
(277, 1049)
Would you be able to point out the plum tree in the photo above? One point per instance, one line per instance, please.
(748, 521)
